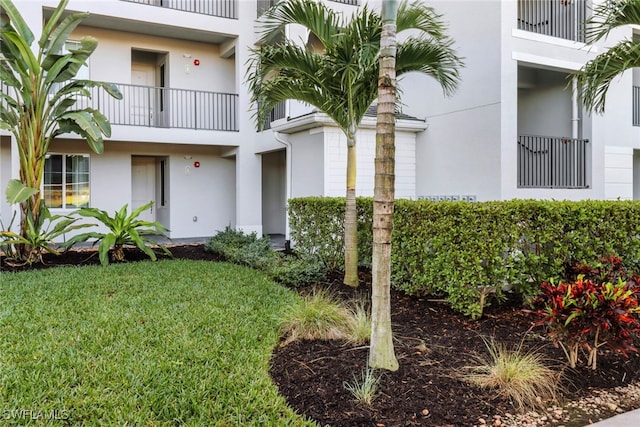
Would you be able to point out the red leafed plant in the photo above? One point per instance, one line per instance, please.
(597, 308)
(610, 269)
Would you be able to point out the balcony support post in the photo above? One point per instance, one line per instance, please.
(575, 109)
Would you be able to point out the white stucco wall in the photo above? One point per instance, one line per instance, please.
(206, 193)
(636, 174)
(5, 176)
(618, 173)
(111, 60)
(307, 164)
(459, 154)
(335, 153)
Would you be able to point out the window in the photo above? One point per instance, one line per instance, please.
(66, 181)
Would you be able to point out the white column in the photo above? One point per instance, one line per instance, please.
(248, 164)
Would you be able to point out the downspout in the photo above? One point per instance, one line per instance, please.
(575, 123)
(575, 110)
(279, 137)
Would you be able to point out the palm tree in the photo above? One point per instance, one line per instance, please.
(381, 352)
(596, 76)
(337, 73)
(39, 103)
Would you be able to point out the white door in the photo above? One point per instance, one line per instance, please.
(143, 185)
(142, 94)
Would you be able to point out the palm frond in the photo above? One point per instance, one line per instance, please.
(341, 80)
(436, 60)
(598, 74)
(315, 16)
(612, 14)
(417, 16)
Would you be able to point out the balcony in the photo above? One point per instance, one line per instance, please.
(557, 18)
(636, 106)
(162, 107)
(221, 8)
(263, 5)
(166, 108)
(279, 112)
(552, 162)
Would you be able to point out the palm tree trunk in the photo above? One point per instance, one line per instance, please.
(351, 218)
(381, 354)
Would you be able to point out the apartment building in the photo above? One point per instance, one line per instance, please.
(184, 137)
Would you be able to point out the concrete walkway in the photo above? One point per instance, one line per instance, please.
(628, 419)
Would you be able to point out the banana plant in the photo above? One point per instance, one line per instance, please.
(40, 234)
(39, 95)
(123, 230)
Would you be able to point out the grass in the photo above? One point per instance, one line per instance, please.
(167, 343)
(318, 316)
(364, 389)
(515, 374)
(359, 323)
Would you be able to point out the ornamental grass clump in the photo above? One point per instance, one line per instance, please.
(585, 314)
(318, 316)
(364, 389)
(518, 375)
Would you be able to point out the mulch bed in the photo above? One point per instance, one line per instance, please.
(433, 345)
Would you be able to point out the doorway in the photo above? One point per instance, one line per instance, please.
(150, 80)
(274, 197)
(143, 185)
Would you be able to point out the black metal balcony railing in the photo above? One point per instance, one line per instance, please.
(349, 2)
(221, 8)
(263, 5)
(636, 106)
(558, 18)
(166, 107)
(278, 112)
(552, 162)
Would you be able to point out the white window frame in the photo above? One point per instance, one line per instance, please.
(64, 183)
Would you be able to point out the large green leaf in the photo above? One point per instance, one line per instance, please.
(21, 50)
(7, 76)
(60, 34)
(105, 246)
(102, 122)
(70, 126)
(17, 21)
(63, 106)
(17, 192)
(51, 23)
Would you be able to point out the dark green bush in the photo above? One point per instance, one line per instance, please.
(244, 249)
(317, 227)
(247, 249)
(292, 270)
(471, 252)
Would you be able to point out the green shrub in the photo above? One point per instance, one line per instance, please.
(245, 249)
(40, 233)
(469, 253)
(317, 227)
(124, 229)
(292, 270)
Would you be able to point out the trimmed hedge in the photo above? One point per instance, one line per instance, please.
(469, 253)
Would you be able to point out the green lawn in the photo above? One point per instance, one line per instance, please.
(165, 343)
